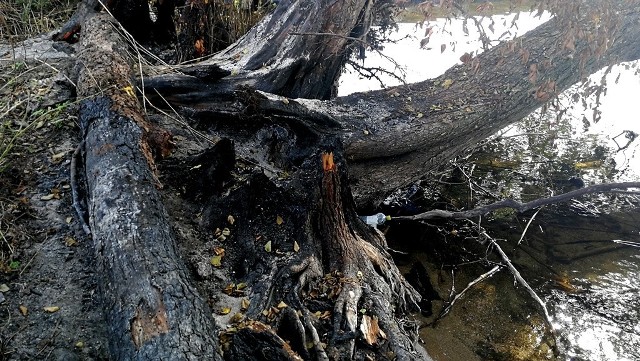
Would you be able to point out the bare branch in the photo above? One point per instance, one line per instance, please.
(520, 207)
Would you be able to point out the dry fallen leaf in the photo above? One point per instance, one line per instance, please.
(244, 304)
(267, 247)
(199, 47)
(23, 310)
(4, 287)
(225, 311)
(231, 220)
(79, 344)
(216, 261)
(56, 158)
(48, 197)
(218, 251)
(70, 241)
(51, 309)
(296, 247)
(279, 220)
(282, 305)
(237, 317)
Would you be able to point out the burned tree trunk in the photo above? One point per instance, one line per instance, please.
(395, 136)
(152, 310)
(320, 284)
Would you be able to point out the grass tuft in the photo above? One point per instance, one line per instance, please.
(21, 19)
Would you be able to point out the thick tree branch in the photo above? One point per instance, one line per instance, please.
(396, 136)
(520, 207)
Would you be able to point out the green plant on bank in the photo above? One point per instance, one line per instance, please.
(20, 19)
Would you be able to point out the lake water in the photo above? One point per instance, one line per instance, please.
(581, 257)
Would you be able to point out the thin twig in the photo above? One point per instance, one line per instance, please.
(459, 295)
(77, 202)
(516, 274)
(528, 224)
(362, 42)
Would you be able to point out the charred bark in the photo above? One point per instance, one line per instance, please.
(310, 278)
(152, 310)
(298, 50)
(396, 136)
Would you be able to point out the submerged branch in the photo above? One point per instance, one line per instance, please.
(520, 207)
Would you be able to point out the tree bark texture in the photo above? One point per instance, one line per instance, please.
(387, 138)
(298, 50)
(395, 136)
(152, 310)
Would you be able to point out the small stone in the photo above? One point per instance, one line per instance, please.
(203, 269)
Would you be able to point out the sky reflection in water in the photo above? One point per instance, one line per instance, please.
(603, 322)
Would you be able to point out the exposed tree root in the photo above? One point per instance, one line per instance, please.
(340, 296)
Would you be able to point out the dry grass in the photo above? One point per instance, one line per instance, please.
(20, 19)
(22, 89)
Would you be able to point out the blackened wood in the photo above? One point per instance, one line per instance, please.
(152, 310)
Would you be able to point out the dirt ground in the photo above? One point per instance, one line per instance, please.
(49, 307)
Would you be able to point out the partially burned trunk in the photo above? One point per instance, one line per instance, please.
(396, 136)
(153, 312)
(319, 283)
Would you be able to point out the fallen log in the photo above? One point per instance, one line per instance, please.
(152, 310)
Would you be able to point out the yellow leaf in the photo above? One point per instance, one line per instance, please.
(447, 83)
(51, 309)
(267, 247)
(244, 304)
(70, 242)
(282, 305)
(279, 220)
(23, 310)
(79, 344)
(241, 286)
(225, 310)
(420, 115)
(216, 261)
(231, 220)
(129, 91)
(296, 247)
